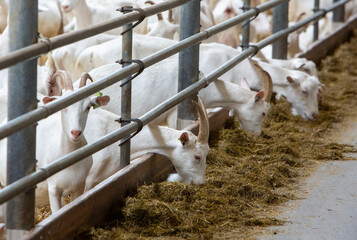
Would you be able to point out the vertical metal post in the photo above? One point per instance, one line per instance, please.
(339, 13)
(316, 23)
(127, 45)
(245, 33)
(22, 87)
(280, 21)
(188, 60)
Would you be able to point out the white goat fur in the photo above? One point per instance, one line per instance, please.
(189, 159)
(162, 79)
(224, 10)
(111, 51)
(301, 92)
(49, 17)
(67, 56)
(89, 13)
(64, 128)
(301, 64)
(213, 55)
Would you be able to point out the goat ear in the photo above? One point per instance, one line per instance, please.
(46, 100)
(103, 100)
(54, 87)
(244, 84)
(100, 101)
(259, 96)
(184, 138)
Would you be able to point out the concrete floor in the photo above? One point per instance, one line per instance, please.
(328, 207)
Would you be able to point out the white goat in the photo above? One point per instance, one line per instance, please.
(46, 84)
(67, 56)
(49, 18)
(187, 155)
(326, 27)
(171, 25)
(260, 28)
(299, 88)
(162, 79)
(224, 10)
(65, 128)
(213, 55)
(162, 27)
(250, 107)
(111, 51)
(87, 14)
(67, 137)
(301, 64)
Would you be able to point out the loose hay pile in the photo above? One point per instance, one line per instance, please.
(246, 175)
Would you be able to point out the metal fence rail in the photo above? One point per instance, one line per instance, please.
(59, 41)
(42, 112)
(52, 107)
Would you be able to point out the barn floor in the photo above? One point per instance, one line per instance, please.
(327, 208)
(249, 179)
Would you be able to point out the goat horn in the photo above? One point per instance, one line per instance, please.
(267, 84)
(159, 15)
(299, 17)
(171, 20)
(51, 61)
(203, 132)
(84, 78)
(65, 79)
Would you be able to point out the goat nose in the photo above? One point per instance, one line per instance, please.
(76, 133)
(65, 7)
(315, 115)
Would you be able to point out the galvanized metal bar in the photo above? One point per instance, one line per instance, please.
(52, 107)
(280, 21)
(75, 36)
(188, 61)
(127, 47)
(40, 175)
(22, 87)
(316, 24)
(246, 27)
(338, 13)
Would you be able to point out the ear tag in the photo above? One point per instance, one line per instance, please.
(96, 105)
(99, 94)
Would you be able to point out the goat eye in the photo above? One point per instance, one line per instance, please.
(87, 109)
(304, 91)
(197, 157)
(263, 114)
